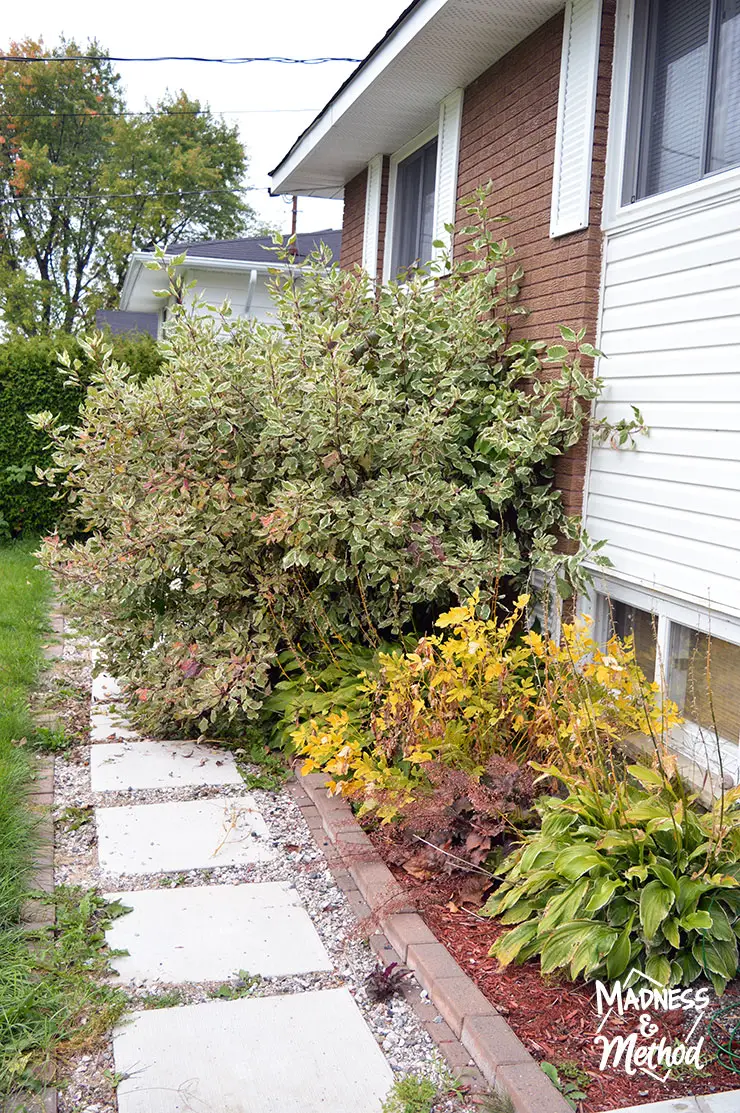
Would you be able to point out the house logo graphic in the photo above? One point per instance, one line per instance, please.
(645, 1048)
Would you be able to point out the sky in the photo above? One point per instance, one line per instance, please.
(248, 95)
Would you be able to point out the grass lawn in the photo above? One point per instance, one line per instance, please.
(50, 996)
(24, 602)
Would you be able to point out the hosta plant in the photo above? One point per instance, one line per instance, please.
(631, 875)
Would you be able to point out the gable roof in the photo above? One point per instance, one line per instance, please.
(258, 249)
(435, 46)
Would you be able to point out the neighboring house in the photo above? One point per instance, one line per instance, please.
(121, 322)
(233, 269)
(611, 133)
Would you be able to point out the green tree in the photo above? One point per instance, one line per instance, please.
(69, 165)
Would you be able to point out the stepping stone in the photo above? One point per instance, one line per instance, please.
(305, 1053)
(118, 766)
(183, 835)
(208, 933)
(105, 724)
(105, 688)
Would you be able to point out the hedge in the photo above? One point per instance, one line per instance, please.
(30, 381)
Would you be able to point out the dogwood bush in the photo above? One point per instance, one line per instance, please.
(349, 470)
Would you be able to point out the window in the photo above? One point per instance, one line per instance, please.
(698, 671)
(704, 680)
(413, 230)
(642, 625)
(685, 98)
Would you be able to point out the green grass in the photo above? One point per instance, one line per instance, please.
(50, 993)
(24, 601)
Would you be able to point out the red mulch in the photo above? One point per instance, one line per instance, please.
(555, 1019)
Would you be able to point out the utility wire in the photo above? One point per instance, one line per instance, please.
(92, 114)
(176, 58)
(123, 196)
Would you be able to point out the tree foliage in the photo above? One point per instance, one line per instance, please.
(350, 470)
(69, 165)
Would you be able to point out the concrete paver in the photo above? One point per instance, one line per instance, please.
(120, 766)
(210, 932)
(304, 1053)
(182, 835)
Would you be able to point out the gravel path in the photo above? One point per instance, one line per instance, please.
(298, 861)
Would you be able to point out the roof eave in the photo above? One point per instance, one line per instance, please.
(394, 94)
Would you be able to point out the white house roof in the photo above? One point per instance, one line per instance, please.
(434, 47)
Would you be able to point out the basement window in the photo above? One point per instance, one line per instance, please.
(413, 226)
(684, 121)
(698, 671)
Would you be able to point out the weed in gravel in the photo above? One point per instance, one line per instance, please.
(245, 984)
(50, 740)
(172, 882)
(165, 1000)
(272, 771)
(411, 1094)
(495, 1102)
(74, 817)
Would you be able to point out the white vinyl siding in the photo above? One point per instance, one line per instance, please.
(448, 153)
(670, 508)
(371, 229)
(571, 186)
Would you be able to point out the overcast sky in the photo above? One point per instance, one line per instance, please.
(296, 28)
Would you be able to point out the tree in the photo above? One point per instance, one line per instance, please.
(82, 185)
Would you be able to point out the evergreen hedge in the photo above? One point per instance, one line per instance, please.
(30, 381)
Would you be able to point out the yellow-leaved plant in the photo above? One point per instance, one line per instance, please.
(483, 687)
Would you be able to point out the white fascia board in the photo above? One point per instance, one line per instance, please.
(323, 123)
(132, 274)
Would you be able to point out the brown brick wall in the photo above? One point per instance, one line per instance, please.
(508, 136)
(350, 254)
(354, 221)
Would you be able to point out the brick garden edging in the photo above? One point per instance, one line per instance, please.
(484, 1034)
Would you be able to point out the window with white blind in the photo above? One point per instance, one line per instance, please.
(684, 119)
(413, 229)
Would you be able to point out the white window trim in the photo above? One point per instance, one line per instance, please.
(402, 153)
(697, 196)
(371, 228)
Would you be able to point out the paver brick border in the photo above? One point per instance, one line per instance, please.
(471, 1022)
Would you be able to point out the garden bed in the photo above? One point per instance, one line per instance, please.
(555, 1020)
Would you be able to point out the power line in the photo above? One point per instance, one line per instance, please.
(92, 114)
(177, 58)
(125, 196)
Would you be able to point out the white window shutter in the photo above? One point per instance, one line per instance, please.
(571, 186)
(448, 151)
(372, 216)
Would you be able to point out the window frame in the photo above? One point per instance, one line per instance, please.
(689, 735)
(622, 153)
(420, 140)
